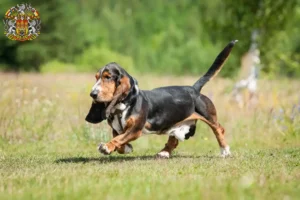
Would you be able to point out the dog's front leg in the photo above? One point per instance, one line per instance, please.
(132, 131)
(125, 148)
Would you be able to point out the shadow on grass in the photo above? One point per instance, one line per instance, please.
(110, 159)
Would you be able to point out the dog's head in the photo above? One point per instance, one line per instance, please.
(113, 83)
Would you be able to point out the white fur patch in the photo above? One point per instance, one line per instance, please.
(225, 151)
(123, 120)
(163, 154)
(136, 88)
(181, 130)
(120, 106)
(102, 148)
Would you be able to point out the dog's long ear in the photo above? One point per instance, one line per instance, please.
(122, 89)
(123, 86)
(96, 113)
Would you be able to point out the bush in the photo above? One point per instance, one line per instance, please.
(96, 57)
(56, 66)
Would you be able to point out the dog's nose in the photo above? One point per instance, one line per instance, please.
(94, 94)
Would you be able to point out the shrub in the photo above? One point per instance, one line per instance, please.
(95, 57)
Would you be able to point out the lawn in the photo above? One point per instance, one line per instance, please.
(48, 151)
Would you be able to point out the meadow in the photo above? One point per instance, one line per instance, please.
(48, 151)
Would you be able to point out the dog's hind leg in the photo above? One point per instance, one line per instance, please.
(169, 147)
(219, 132)
(207, 110)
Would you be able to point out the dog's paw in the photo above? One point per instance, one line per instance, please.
(225, 152)
(125, 149)
(128, 148)
(163, 154)
(103, 148)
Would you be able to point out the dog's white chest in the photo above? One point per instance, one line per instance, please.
(118, 121)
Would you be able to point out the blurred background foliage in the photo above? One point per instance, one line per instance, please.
(157, 36)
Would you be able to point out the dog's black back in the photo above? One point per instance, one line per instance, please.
(169, 105)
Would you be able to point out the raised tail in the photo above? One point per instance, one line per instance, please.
(215, 67)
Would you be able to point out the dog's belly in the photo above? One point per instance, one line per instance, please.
(181, 131)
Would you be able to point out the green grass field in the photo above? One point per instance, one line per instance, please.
(48, 151)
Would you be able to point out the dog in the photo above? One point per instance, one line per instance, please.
(172, 110)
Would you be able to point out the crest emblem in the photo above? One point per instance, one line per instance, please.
(22, 22)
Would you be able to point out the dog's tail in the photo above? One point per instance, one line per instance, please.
(215, 67)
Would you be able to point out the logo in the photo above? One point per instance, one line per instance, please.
(22, 22)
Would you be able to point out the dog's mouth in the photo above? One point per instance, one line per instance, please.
(95, 101)
(98, 100)
(102, 98)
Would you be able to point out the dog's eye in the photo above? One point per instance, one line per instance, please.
(106, 77)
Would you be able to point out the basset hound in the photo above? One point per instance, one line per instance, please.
(172, 110)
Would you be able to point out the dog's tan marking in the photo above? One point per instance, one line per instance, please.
(147, 126)
(97, 76)
(106, 75)
(107, 87)
(194, 116)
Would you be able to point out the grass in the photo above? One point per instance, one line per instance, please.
(48, 151)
